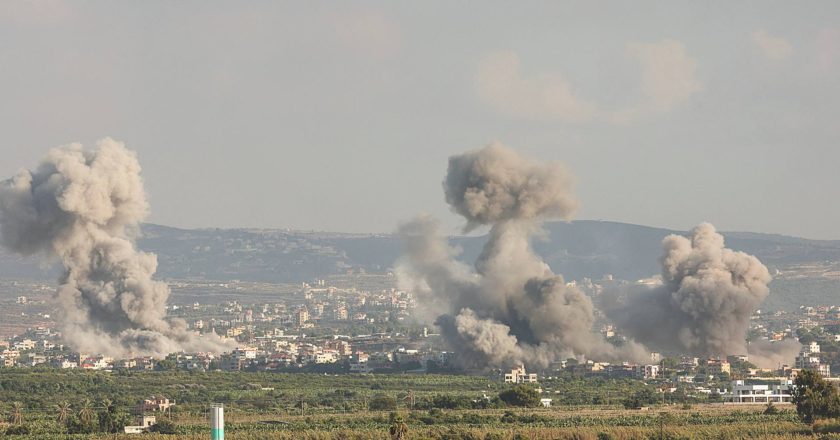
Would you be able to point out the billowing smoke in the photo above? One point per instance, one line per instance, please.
(84, 207)
(704, 304)
(512, 309)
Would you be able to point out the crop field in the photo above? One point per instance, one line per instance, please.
(309, 406)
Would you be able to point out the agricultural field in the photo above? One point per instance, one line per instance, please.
(311, 406)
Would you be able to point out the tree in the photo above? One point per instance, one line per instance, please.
(17, 413)
(166, 365)
(109, 419)
(520, 395)
(815, 398)
(63, 409)
(640, 398)
(670, 363)
(86, 413)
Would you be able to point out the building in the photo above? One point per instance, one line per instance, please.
(245, 353)
(359, 363)
(518, 375)
(760, 392)
(301, 316)
(144, 422)
(647, 371)
(809, 359)
(717, 367)
(340, 314)
(153, 404)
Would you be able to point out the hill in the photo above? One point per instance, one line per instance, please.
(576, 249)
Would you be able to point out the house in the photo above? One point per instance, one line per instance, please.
(647, 371)
(760, 392)
(518, 375)
(161, 404)
(717, 367)
(144, 422)
(809, 359)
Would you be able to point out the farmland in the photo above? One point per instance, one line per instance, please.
(311, 406)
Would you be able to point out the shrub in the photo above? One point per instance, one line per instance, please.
(826, 426)
(520, 395)
(17, 430)
(164, 426)
(382, 402)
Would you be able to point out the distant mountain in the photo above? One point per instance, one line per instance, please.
(577, 249)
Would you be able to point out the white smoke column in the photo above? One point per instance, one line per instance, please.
(704, 304)
(512, 309)
(84, 207)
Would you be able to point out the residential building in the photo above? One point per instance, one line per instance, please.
(760, 392)
(518, 375)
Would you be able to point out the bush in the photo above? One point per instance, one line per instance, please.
(520, 395)
(826, 426)
(17, 430)
(164, 426)
(640, 398)
(448, 401)
(382, 402)
(458, 434)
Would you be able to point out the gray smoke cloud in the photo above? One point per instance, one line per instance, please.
(511, 309)
(704, 304)
(84, 208)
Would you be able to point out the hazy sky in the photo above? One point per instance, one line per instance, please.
(340, 116)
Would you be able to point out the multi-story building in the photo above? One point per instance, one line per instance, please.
(760, 392)
(301, 316)
(718, 366)
(809, 359)
(518, 375)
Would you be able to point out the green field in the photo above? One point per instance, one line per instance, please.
(310, 406)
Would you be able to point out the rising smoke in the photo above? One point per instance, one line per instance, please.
(84, 207)
(512, 309)
(704, 304)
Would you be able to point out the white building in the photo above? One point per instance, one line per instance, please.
(760, 393)
(647, 371)
(518, 375)
(809, 359)
(243, 353)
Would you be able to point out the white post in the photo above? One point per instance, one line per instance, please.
(217, 422)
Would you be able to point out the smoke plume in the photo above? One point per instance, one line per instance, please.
(84, 207)
(704, 304)
(511, 309)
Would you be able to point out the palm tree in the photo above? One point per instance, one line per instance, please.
(63, 412)
(17, 413)
(86, 412)
(106, 418)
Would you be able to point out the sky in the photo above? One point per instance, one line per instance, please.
(340, 116)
